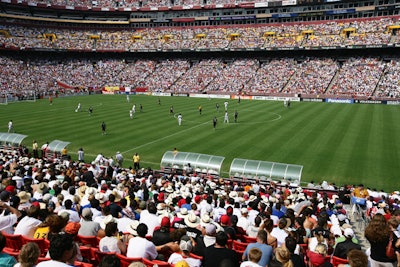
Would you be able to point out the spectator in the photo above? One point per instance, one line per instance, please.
(254, 258)
(377, 233)
(61, 251)
(356, 258)
(139, 246)
(111, 242)
(28, 255)
(261, 244)
(344, 247)
(5, 259)
(218, 254)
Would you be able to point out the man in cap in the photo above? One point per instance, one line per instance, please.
(345, 246)
(243, 220)
(88, 227)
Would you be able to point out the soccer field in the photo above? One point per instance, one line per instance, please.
(339, 143)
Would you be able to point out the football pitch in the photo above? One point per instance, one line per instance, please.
(340, 143)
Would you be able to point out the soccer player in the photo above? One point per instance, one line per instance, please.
(226, 105)
(171, 110)
(180, 119)
(226, 117)
(217, 107)
(78, 108)
(103, 128)
(215, 122)
(127, 98)
(235, 116)
(90, 111)
(131, 114)
(200, 109)
(10, 126)
(134, 108)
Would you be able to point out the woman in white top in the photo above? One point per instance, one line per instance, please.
(111, 243)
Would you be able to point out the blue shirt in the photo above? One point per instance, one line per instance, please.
(7, 260)
(266, 252)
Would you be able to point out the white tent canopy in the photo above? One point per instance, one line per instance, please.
(57, 146)
(198, 162)
(249, 169)
(11, 139)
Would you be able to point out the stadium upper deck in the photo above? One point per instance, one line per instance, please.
(161, 13)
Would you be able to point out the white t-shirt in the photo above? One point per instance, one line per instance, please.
(27, 226)
(176, 257)
(249, 264)
(52, 263)
(109, 244)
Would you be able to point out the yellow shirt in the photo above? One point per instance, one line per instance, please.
(41, 232)
(136, 158)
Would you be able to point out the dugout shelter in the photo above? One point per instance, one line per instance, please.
(11, 140)
(265, 171)
(55, 148)
(191, 162)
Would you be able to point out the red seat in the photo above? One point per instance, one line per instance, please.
(39, 241)
(196, 256)
(90, 241)
(13, 242)
(336, 261)
(125, 261)
(87, 253)
(249, 239)
(98, 255)
(82, 264)
(240, 246)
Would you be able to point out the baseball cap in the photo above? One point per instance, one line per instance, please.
(225, 219)
(348, 232)
(211, 229)
(165, 222)
(186, 245)
(72, 228)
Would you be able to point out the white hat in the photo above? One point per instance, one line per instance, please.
(348, 232)
(106, 220)
(205, 219)
(192, 220)
(131, 228)
(183, 213)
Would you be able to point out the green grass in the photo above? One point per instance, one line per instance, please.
(334, 142)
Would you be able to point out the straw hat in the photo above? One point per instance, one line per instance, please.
(24, 196)
(192, 220)
(106, 220)
(131, 228)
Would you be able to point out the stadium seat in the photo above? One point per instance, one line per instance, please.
(125, 261)
(90, 241)
(239, 246)
(13, 242)
(39, 241)
(98, 255)
(248, 239)
(336, 261)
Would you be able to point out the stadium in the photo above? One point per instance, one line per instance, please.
(304, 96)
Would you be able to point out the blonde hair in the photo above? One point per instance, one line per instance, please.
(321, 249)
(283, 256)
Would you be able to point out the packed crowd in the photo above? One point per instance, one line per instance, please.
(356, 77)
(332, 33)
(188, 217)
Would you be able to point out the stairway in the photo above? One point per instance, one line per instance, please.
(358, 222)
